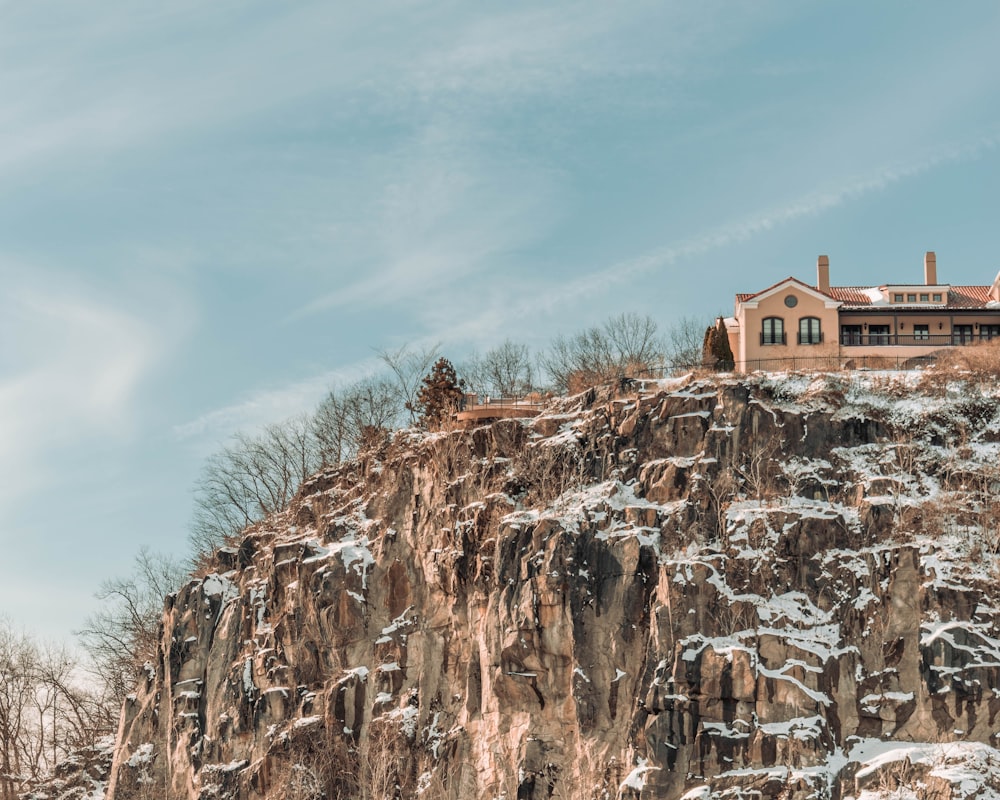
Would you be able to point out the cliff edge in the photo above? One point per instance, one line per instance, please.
(762, 587)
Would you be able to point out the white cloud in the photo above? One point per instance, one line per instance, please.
(70, 376)
(265, 406)
(741, 230)
(444, 215)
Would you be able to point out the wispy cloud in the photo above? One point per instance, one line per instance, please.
(265, 406)
(72, 376)
(742, 230)
(444, 216)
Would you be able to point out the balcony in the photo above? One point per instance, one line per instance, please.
(909, 339)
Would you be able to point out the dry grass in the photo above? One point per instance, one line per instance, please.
(977, 363)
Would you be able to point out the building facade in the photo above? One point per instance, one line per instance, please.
(791, 323)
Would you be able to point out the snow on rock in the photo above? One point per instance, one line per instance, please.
(770, 586)
(636, 779)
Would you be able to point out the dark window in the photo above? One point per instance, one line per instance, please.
(924, 298)
(850, 334)
(921, 332)
(897, 298)
(961, 334)
(809, 331)
(878, 334)
(911, 298)
(791, 300)
(773, 331)
(937, 298)
(989, 332)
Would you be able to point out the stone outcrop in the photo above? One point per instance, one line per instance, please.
(749, 588)
(83, 775)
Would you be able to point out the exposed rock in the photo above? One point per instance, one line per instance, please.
(83, 775)
(701, 589)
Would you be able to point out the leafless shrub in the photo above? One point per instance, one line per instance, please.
(546, 471)
(978, 360)
(759, 473)
(685, 343)
(355, 418)
(504, 371)
(408, 367)
(624, 346)
(712, 497)
(735, 616)
(249, 478)
(141, 783)
(896, 779)
(983, 488)
(44, 713)
(301, 782)
(122, 635)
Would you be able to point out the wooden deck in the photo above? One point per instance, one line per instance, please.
(500, 408)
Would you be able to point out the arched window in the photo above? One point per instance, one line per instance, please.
(809, 331)
(773, 331)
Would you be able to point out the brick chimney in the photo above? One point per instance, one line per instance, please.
(823, 274)
(930, 268)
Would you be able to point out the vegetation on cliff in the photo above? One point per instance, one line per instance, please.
(778, 586)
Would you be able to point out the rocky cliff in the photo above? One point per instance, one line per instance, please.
(700, 589)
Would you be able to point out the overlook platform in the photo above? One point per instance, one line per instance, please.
(497, 408)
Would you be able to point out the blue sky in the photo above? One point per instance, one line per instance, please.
(211, 212)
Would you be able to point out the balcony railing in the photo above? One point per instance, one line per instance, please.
(910, 339)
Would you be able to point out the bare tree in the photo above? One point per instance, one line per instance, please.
(17, 685)
(121, 636)
(346, 420)
(685, 342)
(408, 367)
(624, 346)
(373, 404)
(43, 713)
(634, 340)
(249, 478)
(504, 371)
(332, 428)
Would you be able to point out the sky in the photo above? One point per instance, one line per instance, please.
(211, 213)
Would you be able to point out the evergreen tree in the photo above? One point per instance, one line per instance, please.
(441, 394)
(707, 346)
(718, 355)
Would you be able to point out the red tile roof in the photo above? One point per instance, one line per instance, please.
(858, 297)
(958, 297)
(968, 296)
(742, 297)
(851, 295)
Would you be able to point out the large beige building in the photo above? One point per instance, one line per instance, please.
(793, 324)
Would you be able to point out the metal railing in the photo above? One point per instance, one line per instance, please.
(911, 339)
(471, 401)
(834, 363)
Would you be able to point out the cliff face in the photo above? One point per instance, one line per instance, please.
(723, 589)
